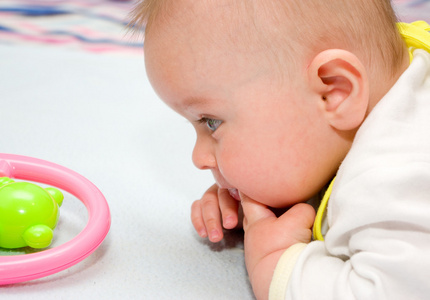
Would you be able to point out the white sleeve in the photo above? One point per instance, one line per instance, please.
(378, 244)
(386, 259)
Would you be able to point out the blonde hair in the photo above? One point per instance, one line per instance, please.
(143, 14)
(305, 27)
(366, 28)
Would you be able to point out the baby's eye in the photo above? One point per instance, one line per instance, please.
(212, 124)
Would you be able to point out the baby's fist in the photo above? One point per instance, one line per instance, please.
(267, 237)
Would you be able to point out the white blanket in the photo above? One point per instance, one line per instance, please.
(98, 116)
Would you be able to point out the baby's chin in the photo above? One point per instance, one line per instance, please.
(274, 202)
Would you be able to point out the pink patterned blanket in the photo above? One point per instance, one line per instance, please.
(99, 26)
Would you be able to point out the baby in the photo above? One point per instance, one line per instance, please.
(285, 95)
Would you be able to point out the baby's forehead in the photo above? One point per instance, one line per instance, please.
(221, 31)
(220, 13)
(222, 22)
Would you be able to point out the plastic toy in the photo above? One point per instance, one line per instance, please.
(28, 214)
(24, 267)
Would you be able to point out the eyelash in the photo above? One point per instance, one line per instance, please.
(210, 123)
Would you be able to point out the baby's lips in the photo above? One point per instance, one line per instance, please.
(234, 193)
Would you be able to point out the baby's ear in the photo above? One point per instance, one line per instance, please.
(339, 81)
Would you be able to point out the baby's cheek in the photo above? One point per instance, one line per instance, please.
(243, 176)
(233, 170)
(253, 169)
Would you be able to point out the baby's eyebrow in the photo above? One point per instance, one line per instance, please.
(196, 102)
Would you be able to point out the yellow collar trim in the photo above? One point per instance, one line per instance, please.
(321, 213)
(416, 35)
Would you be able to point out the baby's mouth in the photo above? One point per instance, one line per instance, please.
(234, 193)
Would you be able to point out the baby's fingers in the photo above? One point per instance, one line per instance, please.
(197, 219)
(301, 214)
(229, 209)
(206, 216)
(254, 211)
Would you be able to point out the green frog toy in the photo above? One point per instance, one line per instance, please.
(28, 214)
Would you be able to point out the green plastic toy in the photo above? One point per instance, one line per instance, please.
(28, 214)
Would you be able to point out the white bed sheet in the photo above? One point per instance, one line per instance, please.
(98, 116)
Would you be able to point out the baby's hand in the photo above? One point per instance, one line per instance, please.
(267, 237)
(215, 207)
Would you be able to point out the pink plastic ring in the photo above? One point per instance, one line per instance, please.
(20, 268)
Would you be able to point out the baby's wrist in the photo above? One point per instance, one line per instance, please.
(284, 269)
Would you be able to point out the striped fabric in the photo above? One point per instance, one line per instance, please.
(413, 10)
(99, 25)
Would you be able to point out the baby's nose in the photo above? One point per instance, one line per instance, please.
(203, 156)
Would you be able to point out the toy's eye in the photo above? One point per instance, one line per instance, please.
(212, 124)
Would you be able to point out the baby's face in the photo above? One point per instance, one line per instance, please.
(256, 135)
